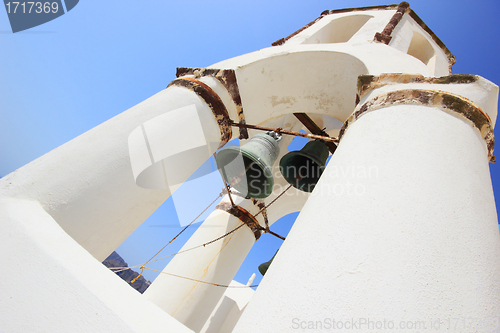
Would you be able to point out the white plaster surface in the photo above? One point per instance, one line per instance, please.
(229, 309)
(401, 227)
(49, 283)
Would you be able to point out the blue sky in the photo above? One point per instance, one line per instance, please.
(67, 76)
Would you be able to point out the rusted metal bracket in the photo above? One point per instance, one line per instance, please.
(314, 129)
(244, 216)
(214, 102)
(385, 36)
(447, 102)
(228, 79)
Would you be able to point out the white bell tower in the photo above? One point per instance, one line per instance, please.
(401, 228)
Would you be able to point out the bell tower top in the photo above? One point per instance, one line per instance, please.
(397, 26)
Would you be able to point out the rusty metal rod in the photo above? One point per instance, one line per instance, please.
(279, 130)
(314, 129)
(274, 234)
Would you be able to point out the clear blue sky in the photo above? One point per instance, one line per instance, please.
(62, 78)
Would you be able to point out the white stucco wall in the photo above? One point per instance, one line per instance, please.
(401, 228)
(51, 284)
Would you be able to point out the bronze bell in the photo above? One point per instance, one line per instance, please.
(303, 168)
(249, 168)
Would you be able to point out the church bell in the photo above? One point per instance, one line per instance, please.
(248, 168)
(303, 168)
(265, 266)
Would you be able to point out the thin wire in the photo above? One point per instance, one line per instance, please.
(199, 281)
(260, 211)
(143, 266)
(220, 195)
(174, 254)
(219, 238)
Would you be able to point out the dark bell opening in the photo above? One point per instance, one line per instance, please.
(256, 178)
(302, 172)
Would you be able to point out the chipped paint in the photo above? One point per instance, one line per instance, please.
(275, 100)
(213, 101)
(455, 105)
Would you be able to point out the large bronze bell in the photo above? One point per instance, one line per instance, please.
(249, 168)
(303, 168)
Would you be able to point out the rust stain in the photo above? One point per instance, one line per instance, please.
(456, 105)
(451, 57)
(228, 79)
(275, 100)
(244, 216)
(367, 83)
(385, 36)
(404, 8)
(328, 12)
(213, 101)
(451, 61)
(262, 207)
(186, 298)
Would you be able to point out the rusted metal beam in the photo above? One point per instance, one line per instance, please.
(279, 130)
(314, 129)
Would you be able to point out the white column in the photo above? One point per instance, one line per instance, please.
(402, 227)
(88, 185)
(192, 302)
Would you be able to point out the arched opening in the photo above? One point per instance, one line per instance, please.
(421, 49)
(339, 30)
